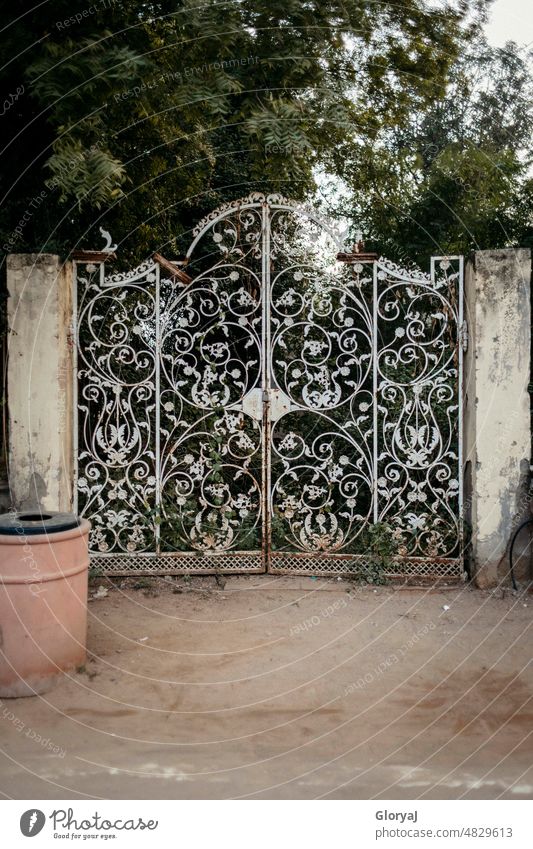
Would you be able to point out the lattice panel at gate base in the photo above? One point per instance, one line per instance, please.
(281, 564)
(327, 565)
(178, 564)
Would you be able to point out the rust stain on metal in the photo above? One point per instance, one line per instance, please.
(172, 268)
(92, 256)
(352, 258)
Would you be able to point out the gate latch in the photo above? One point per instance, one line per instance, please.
(280, 404)
(252, 404)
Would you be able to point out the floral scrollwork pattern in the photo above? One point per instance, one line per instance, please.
(417, 387)
(280, 402)
(116, 410)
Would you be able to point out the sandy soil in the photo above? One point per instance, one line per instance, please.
(268, 687)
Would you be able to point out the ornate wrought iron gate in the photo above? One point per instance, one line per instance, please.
(277, 412)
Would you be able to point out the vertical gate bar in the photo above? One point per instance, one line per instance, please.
(460, 336)
(375, 389)
(265, 374)
(157, 410)
(75, 386)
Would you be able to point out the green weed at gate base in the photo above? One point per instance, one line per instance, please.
(381, 548)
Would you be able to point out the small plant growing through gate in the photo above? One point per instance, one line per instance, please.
(380, 549)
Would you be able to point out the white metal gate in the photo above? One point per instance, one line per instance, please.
(272, 411)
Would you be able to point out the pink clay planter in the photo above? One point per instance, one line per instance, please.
(43, 602)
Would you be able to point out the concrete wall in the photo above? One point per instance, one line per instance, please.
(39, 381)
(497, 407)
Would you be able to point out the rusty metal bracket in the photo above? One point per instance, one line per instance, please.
(92, 256)
(172, 269)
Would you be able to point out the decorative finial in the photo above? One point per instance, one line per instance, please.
(108, 247)
(359, 244)
(358, 252)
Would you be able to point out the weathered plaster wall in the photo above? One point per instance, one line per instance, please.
(39, 381)
(497, 417)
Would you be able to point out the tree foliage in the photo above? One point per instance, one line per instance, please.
(456, 176)
(143, 115)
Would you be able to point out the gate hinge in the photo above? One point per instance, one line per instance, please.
(463, 336)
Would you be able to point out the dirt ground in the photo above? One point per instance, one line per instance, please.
(270, 687)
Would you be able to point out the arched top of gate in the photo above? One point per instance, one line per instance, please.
(444, 270)
(258, 200)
